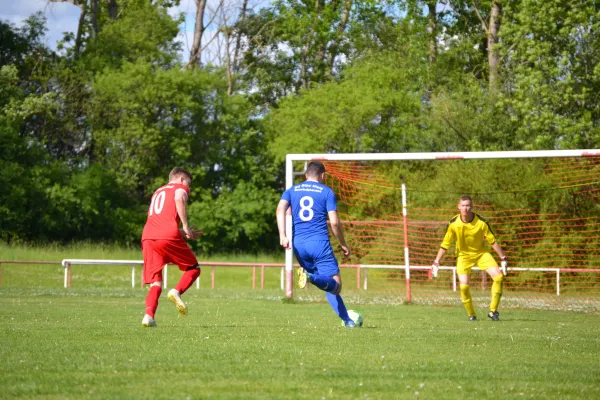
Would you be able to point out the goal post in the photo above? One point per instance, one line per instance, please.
(400, 223)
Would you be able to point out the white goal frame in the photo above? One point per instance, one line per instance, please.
(290, 173)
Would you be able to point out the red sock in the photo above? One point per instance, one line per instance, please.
(152, 300)
(187, 279)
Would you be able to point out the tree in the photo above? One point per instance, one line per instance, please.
(195, 52)
(353, 116)
(551, 52)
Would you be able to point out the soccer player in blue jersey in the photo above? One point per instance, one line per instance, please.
(472, 234)
(312, 203)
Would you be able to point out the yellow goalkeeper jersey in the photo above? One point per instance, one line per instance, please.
(470, 237)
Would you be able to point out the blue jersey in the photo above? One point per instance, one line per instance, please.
(310, 201)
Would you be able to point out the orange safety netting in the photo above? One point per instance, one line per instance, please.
(549, 227)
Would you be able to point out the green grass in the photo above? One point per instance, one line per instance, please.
(86, 276)
(88, 343)
(54, 252)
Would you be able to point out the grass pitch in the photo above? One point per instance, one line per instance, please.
(87, 343)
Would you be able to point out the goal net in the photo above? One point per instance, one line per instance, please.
(542, 206)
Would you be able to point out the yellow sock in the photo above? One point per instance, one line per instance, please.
(496, 292)
(465, 295)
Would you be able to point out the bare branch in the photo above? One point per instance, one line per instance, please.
(481, 19)
(78, 3)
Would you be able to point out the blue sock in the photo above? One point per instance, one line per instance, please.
(337, 303)
(325, 283)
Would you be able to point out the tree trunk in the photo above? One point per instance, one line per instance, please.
(113, 9)
(195, 53)
(94, 8)
(334, 49)
(304, 79)
(80, 27)
(432, 30)
(492, 40)
(238, 40)
(228, 56)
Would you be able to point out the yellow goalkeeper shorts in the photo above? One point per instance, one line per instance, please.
(483, 261)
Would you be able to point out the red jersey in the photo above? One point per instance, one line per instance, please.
(163, 220)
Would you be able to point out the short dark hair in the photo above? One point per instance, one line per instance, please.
(175, 172)
(465, 197)
(315, 169)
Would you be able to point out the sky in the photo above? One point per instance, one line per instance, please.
(63, 17)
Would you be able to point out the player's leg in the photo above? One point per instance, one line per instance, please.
(327, 277)
(185, 282)
(153, 265)
(305, 259)
(188, 278)
(181, 254)
(152, 304)
(463, 269)
(337, 302)
(318, 260)
(489, 265)
(308, 255)
(326, 283)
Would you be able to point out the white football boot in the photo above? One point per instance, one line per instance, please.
(148, 322)
(176, 298)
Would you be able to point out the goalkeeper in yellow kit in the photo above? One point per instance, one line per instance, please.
(471, 233)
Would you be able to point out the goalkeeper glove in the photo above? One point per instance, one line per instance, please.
(434, 268)
(504, 266)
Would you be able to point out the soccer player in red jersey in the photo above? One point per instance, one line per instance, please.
(163, 243)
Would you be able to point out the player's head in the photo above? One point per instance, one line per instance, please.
(180, 175)
(465, 205)
(315, 170)
(465, 197)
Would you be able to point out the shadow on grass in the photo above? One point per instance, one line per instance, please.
(285, 300)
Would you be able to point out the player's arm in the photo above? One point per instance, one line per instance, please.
(338, 231)
(197, 232)
(436, 262)
(503, 262)
(282, 209)
(439, 256)
(181, 198)
(448, 238)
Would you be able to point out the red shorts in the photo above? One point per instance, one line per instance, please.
(159, 252)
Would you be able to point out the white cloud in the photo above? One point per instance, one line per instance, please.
(61, 17)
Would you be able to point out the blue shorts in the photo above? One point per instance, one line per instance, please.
(317, 257)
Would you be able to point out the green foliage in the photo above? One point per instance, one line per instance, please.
(375, 108)
(462, 118)
(137, 118)
(142, 31)
(240, 219)
(552, 51)
(89, 132)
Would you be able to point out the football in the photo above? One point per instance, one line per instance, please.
(356, 317)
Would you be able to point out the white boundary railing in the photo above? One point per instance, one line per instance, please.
(557, 271)
(67, 263)
(362, 276)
